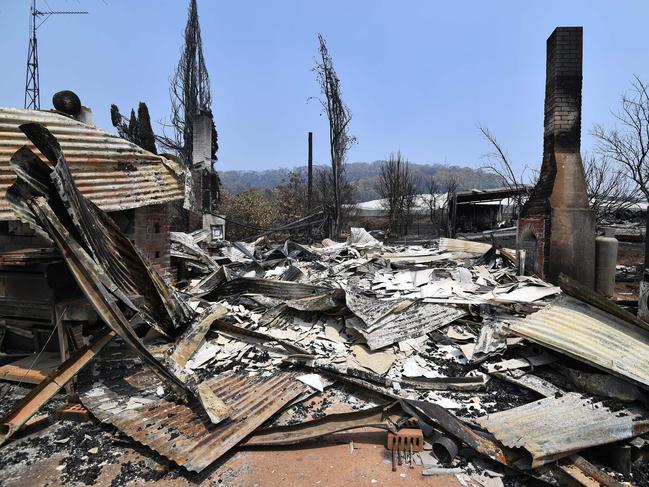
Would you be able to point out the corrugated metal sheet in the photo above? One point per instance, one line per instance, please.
(416, 321)
(177, 431)
(112, 172)
(71, 216)
(284, 290)
(556, 427)
(457, 245)
(589, 334)
(386, 322)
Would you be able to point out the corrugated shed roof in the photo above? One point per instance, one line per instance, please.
(589, 334)
(177, 431)
(556, 427)
(112, 172)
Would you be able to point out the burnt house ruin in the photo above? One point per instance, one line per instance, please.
(135, 187)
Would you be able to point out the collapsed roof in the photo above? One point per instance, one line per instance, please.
(113, 173)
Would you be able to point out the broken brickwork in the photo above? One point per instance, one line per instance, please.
(151, 235)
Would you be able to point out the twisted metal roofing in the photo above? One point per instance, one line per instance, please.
(556, 427)
(177, 431)
(591, 335)
(112, 172)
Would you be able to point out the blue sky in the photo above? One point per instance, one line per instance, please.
(418, 75)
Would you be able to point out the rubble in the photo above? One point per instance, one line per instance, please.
(501, 375)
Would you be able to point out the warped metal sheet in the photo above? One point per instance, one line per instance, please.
(556, 427)
(419, 319)
(113, 173)
(381, 417)
(493, 449)
(387, 322)
(183, 246)
(582, 293)
(439, 416)
(177, 431)
(457, 245)
(194, 335)
(591, 335)
(114, 253)
(283, 290)
(86, 274)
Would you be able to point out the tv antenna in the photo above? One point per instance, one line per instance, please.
(37, 18)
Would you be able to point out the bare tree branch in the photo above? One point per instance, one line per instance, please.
(499, 164)
(628, 145)
(397, 186)
(609, 191)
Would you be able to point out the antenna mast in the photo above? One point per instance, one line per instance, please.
(37, 18)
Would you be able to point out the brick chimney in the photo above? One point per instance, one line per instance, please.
(557, 226)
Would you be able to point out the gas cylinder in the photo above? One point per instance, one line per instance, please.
(605, 262)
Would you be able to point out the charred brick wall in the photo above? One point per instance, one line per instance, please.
(151, 235)
(562, 113)
(563, 91)
(557, 226)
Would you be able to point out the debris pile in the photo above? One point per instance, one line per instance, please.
(472, 370)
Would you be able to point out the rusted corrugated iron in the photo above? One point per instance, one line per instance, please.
(113, 173)
(88, 278)
(69, 220)
(556, 427)
(591, 335)
(177, 431)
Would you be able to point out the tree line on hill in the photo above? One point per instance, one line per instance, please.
(364, 177)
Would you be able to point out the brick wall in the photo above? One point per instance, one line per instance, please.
(146, 227)
(563, 91)
(151, 235)
(562, 113)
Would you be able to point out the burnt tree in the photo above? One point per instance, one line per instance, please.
(189, 89)
(628, 144)
(397, 186)
(340, 140)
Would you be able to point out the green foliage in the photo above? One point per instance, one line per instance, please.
(291, 197)
(137, 128)
(144, 129)
(255, 208)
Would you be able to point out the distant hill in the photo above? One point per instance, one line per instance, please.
(364, 174)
